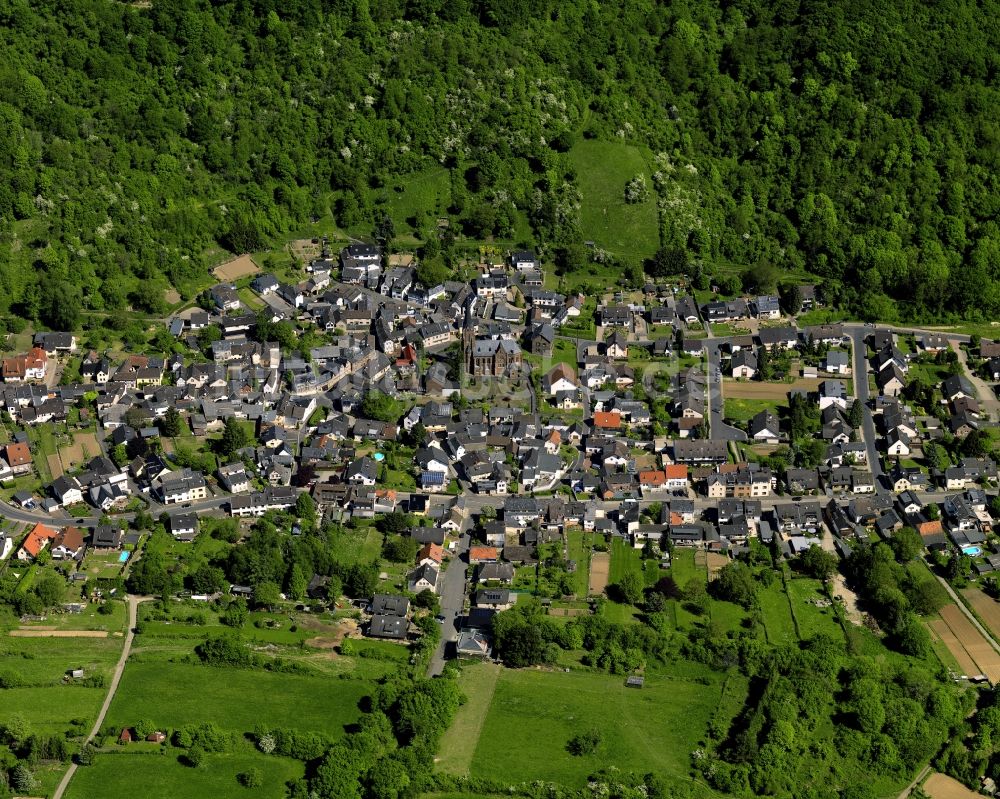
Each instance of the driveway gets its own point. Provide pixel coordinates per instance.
(987, 394)
(859, 349)
(716, 402)
(452, 596)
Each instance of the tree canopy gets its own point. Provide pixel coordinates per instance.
(857, 141)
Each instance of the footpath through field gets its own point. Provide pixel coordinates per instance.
(133, 607)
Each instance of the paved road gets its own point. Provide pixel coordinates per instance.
(716, 402)
(859, 348)
(38, 515)
(133, 606)
(987, 395)
(452, 595)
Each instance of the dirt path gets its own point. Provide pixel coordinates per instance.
(600, 568)
(35, 632)
(909, 788)
(133, 608)
(849, 598)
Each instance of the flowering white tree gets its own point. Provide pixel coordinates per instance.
(636, 190)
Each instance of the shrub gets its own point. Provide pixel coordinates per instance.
(195, 756)
(584, 743)
(251, 778)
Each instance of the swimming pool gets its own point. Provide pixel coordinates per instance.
(123, 557)
(973, 552)
(379, 456)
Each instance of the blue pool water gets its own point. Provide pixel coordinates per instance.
(123, 557)
(972, 551)
(379, 456)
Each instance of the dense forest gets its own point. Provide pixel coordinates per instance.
(853, 140)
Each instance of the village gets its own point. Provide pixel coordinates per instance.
(506, 420)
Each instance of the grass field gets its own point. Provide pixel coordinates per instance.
(652, 729)
(40, 664)
(161, 776)
(357, 546)
(417, 200)
(624, 558)
(812, 619)
(174, 694)
(683, 568)
(742, 410)
(580, 544)
(478, 681)
(603, 169)
(779, 625)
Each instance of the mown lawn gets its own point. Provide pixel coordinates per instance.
(175, 694)
(624, 558)
(478, 681)
(603, 169)
(580, 544)
(162, 776)
(650, 729)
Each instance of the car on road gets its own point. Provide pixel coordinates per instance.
(186, 505)
(439, 619)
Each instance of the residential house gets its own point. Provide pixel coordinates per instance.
(67, 544)
(496, 599)
(234, 478)
(832, 392)
(424, 578)
(37, 539)
(18, 457)
(765, 428)
(744, 364)
(181, 486)
(837, 362)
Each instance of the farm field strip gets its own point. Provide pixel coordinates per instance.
(986, 659)
(600, 568)
(767, 391)
(235, 269)
(965, 663)
(987, 608)
(941, 786)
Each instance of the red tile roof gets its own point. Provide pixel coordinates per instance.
(609, 420)
(37, 539)
(17, 454)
